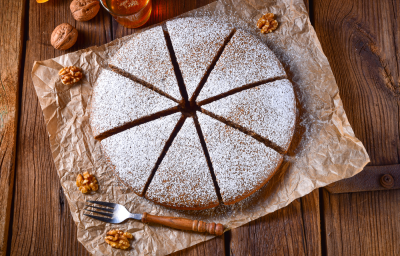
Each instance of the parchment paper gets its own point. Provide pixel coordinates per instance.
(324, 149)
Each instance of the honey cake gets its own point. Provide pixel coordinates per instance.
(241, 164)
(183, 179)
(248, 126)
(134, 152)
(196, 43)
(147, 58)
(118, 100)
(244, 61)
(268, 110)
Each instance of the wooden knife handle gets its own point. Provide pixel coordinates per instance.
(184, 224)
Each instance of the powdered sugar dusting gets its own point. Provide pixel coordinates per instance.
(134, 152)
(245, 60)
(196, 42)
(268, 110)
(146, 57)
(118, 100)
(241, 163)
(183, 179)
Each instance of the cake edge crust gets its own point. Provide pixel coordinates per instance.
(246, 195)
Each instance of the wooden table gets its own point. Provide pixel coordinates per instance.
(361, 40)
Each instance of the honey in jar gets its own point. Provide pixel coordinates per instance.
(130, 13)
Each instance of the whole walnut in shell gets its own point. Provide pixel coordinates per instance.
(84, 10)
(64, 36)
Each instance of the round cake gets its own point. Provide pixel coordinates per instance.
(193, 114)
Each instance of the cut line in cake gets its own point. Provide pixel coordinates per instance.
(244, 61)
(244, 130)
(268, 111)
(210, 68)
(237, 90)
(127, 150)
(197, 45)
(119, 103)
(207, 155)
(142, 82)
(241, 164)
(137, 122)
(183, 180)
(197, 155)
(146, 57)
(177, 70)
(174, 133)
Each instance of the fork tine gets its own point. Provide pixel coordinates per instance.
(112, 205)
(102, 213)
(103, 209)
(101, 218)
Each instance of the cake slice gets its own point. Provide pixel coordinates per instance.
(118, 101)
(146, 57)
(241, 164)
(183, 179)
(244, 61)
(196, 43)
(268, 110)
(134, 152)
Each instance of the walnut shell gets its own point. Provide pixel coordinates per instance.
(84, 10)
(64, 36)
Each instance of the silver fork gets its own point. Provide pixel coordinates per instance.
(118, 213)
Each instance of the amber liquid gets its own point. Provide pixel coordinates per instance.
(135, 12)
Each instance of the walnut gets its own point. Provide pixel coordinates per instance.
(84, 10)
(64, 36)
(86, 183)
(266, 23)
(118, 239)
(70, 75)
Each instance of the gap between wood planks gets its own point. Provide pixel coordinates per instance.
(14, 18)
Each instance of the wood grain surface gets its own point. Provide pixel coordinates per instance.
(11, 44)
(293, 230)
(41, 220)
(361, 39)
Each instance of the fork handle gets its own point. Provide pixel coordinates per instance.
(184, 224)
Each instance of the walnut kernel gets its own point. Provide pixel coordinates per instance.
(86, 183)
(118, 239)
(261, 22)
(70, 75)
(267, 23)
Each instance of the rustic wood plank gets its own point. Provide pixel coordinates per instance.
(212, 247)
(365, 223)
(360, 39)
(293, 230)
(368, 80)
(312, 222)
(307, 3)
(371, 178)
(42, 223)
(11, 41)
